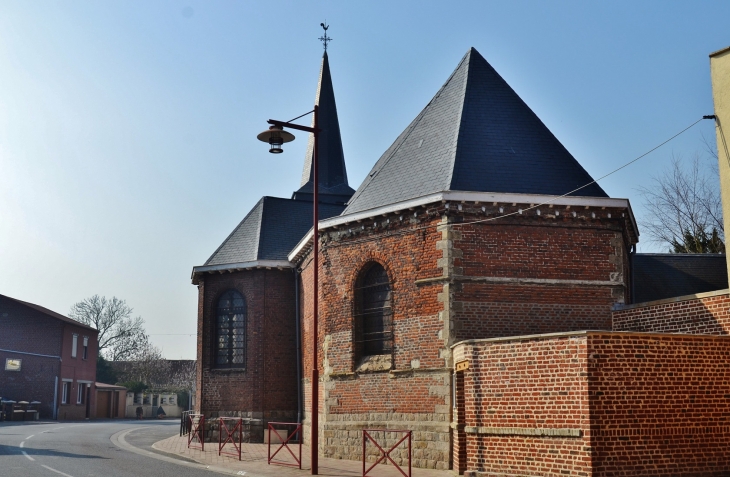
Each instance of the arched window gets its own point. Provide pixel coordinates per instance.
(373, 312)
(230, 331)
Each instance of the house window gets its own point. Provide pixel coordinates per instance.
(373, 312)
(65, 392)
(81, 395)
(163, 400)
(230, 344)
(74, 344)
(85, 353)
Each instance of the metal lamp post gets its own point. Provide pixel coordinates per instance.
(276, 137)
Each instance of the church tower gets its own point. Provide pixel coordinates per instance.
(247, 291)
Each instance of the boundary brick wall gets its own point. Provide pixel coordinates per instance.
(595, 403)
(704, 313)
(266, 387)
(525, 407)
(660, 404)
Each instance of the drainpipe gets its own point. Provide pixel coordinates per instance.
(55, 398)
(631, 273)
(299, 350)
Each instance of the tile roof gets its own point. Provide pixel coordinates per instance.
(332, 171)
(48, 312)
(476, 134)
(659, 276)
(270, 230)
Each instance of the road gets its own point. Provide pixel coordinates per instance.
(85, 449)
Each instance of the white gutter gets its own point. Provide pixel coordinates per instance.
(463, 196)
(243, 265)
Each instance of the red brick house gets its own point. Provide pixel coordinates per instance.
(458, 285)
(47, 357)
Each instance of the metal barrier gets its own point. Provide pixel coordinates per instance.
(285, 442)
(197, 430)
(383, 454)
(185, 423)
(223, 423)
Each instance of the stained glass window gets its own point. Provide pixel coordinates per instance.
(231, 331)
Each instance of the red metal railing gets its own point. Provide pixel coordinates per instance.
(223, 423)
(285, 442)
(383, 454)
(197, 430)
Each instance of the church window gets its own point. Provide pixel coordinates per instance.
(373, 312)
(230, 344)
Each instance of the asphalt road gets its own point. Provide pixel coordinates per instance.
(84, 449)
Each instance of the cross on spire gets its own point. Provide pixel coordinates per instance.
(325, 39)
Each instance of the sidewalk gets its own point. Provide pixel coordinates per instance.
(254, 461)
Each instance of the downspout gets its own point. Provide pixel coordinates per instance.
(631, 273)
(55, 398)
(299, 346)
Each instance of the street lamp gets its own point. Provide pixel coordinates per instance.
(276, 136)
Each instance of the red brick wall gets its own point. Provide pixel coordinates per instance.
(518, 386)
(521, 275)
(78, 369)
(706, 313)
(266, 387)
(645, 405)
(659, 404)
(566, 271)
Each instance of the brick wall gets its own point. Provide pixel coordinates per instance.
(704, 313)
(78, 370)
(596, 403)
(525, 407)
(266, 387)
(659, 404)
(521, 275)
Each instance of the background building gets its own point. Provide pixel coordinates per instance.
(47, 357)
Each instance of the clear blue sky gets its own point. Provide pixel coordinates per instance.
(127, 129)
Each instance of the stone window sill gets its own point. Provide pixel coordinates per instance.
(375, 363)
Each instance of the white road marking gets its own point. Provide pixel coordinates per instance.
(56, 471)
(29, 437)
(29, 457)
(22, 443)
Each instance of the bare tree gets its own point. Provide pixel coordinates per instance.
(184, 376)
(685, 208)
(121, 335)
(148, 366)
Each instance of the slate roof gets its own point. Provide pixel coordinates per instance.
(47, 312)
(476, 134)
(333, 185)
(270, 230)
(659, 276)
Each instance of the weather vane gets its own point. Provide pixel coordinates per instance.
(325, 39)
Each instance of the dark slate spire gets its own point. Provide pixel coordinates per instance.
(333, 186)
(476, 134)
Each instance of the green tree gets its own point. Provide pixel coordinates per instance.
(105, 373)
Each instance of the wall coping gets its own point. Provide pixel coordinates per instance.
(675, 299)
(563, 334)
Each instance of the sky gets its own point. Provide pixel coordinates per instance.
(128, 146)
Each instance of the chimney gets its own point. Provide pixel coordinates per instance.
(720, 73)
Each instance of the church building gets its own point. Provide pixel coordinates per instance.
(476, 234)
